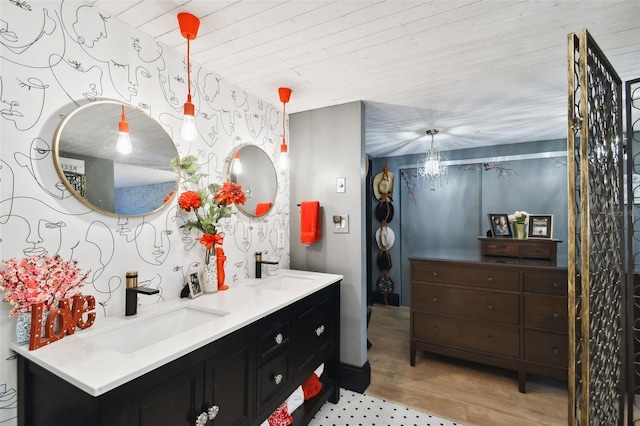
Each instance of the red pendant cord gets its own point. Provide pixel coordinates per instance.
(284, 114)
(188, 71)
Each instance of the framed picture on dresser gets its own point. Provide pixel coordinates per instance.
(541, 226)
(499, 223)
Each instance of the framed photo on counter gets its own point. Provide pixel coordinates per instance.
(540, 226)
(499, 223)
(194, 285)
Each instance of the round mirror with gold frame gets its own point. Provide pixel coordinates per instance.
(88, 162)
(252, 168)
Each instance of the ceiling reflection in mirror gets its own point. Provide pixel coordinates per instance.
(91, 167)
(252, 168)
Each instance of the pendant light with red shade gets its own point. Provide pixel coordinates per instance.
(124, 139)
(285, 95)
(189, 25)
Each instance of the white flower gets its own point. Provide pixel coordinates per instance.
(519, 217)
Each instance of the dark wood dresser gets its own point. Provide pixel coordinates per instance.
(509, 315)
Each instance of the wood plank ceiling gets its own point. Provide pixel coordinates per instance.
(483, 72)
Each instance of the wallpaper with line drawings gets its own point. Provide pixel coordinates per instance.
(59, 55)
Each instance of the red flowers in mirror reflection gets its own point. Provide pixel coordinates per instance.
(37, 279)
(209, 203)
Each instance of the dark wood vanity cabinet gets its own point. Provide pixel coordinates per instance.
(246, 375)
(508, 315)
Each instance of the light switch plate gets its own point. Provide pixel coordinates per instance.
(341, 224)
(341, 184)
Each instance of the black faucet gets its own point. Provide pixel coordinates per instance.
(260, 262)
(131, 298)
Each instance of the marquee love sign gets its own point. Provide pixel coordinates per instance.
(61, 321)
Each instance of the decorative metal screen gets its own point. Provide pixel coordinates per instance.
(595, 235)
(632, 194)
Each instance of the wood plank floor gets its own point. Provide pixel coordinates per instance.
(461, 391)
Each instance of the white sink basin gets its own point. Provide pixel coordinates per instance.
(282, 282)
(139, 334)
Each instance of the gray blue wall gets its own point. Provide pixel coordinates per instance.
(455, 215)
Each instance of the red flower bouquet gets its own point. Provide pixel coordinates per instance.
(209, 204)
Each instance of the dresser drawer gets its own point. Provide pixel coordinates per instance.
(273, 338)
(489, 338)
(471, 304)
(537, 251)
(273, 376)
(546, 282)
(437, 272)
(548, 312)
(545, 348)
(501, 249)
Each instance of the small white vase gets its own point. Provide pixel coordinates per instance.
(23, 326)
(210, 276)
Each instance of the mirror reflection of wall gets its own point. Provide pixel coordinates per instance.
(90, 165)
(258, 179)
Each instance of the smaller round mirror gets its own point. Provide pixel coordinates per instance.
(252, 168)
(99, 172)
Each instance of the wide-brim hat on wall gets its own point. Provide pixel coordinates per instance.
(383, 184)
(385, 237)
(384, 211)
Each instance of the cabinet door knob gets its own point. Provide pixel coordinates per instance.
(555, 285)
(435, 274)
(555, 315)
(435, 329)
(556, 351)
(491, 339)
(212, 412)
(490, 307)
(277, 378)
(435, 299)
(319, 330)
(490, 279)
(202, 419)
(279, 338)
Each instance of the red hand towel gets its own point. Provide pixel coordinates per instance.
(312, 386)
(281, 416)
(310, 222)
(262, 208)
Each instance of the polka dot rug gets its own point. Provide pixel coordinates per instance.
(355, 409)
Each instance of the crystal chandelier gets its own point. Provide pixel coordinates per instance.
(432, 167)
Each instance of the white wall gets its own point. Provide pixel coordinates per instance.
(56, 56)
(325, 144)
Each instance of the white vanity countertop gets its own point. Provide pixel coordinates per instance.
(97, 369)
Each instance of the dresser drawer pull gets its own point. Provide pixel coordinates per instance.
(320, 330)
(435, 274)
(490, 307)
(435, 300)
(490, 279)
(202, 419)
(212, 412)
(279, 338)
(277, 379)
(556, 315)
(491, 339)
(556, 351)
(555, 285)
(435, 329)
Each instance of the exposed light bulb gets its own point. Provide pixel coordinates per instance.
(283, 158)
(189, 131)
(124, 143)
(237, 164)
(124, 140)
